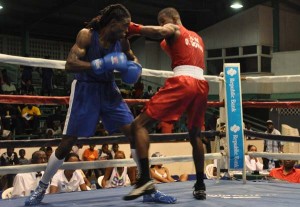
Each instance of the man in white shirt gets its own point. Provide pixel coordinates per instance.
(24, 183)
(272, 146)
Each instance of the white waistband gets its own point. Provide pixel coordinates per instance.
(189, 70)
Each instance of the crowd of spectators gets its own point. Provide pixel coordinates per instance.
(111, 177)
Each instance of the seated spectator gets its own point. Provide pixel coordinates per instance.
(90, 154)
(9, 158)
(27, 88)
(116, 176)
(8, 87)
(76, 148)
(10, 116)
(26, 72)
(161, 174)
(31, 116)
(114, 149)
(22, 159)
(48, 152)
(55, 123)
(104, 154)
(286, 172)
(138, 89)
(252, 163)
(68, 180)
(149, 93)
(24, 183)
(47, 79)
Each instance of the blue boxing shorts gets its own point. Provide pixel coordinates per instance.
(91, 102)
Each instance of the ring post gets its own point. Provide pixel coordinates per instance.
(234, 111)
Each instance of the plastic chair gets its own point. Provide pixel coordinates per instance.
(7, 194)
(100, 180)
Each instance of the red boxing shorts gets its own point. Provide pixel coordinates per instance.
(180, 94)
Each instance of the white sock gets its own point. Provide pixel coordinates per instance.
(53, 165)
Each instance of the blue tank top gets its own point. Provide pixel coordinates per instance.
(95, 51)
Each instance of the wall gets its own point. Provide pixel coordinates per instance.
(286, 63)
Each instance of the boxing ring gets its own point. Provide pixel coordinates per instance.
(219, 192)
(222, 194)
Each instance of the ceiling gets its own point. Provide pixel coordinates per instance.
(62, 19)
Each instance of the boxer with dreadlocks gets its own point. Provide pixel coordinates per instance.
(100, 48)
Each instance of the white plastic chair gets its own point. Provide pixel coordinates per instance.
(100, 180)
(7, 194)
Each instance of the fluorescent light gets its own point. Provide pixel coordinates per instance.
(1, 7)
(236, 5)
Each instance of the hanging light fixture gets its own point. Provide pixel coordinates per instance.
(236, 4)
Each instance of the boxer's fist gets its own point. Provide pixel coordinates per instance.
(132, 74)
(111, 61)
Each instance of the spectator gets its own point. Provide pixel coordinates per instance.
(252, 163)
(116, 176)
(76, 148)
(104, 154)
(114, 149)
(249, 127)
(286, 172)
(31, 116)
(24, 183)
(149, 93)
(161, 174)
(27, 88)
(55, 123)
(68, 180)
(47, 79)
(90, 154)
(272, 146)
(9, 158)
(22, 159)
(138, 89)
(26, 73)
(48, 152)
(10, 117)
(8, 87)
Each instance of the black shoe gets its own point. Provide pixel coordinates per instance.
(199, 192)
(140, 189)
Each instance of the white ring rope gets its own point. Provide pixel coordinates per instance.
(59, 64)
(280, 156)
(102, 163)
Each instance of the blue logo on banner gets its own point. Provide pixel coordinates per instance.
(234, 116)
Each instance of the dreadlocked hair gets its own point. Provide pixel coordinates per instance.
(114, 11)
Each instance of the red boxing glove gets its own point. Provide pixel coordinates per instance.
(134, 29)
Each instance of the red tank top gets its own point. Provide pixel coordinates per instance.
(188, 49)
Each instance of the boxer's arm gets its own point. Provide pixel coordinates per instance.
(158, 32)
(127, 50)
(73, 63)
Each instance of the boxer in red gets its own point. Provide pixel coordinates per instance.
(186, 92)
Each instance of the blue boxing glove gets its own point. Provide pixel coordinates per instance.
(132, 74)
(111, 61)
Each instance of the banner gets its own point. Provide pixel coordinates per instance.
(234, 114)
